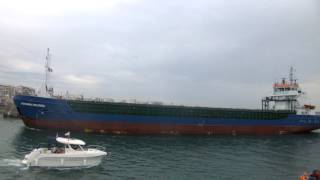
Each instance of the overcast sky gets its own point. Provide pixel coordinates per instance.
(207, 52)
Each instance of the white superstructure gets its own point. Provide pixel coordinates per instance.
(287, 95)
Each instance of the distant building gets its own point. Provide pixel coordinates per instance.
(6, 91)
(23, 90)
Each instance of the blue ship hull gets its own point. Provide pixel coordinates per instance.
(48, 113)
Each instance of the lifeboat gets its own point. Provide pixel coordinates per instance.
(309, 106)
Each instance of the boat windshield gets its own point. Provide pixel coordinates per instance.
(55, 147)
(76, 147)
(58, 150)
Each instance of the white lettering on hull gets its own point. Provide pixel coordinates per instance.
(32, 104)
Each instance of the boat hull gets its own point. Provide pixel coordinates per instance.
(66, 162)
(46, 113)
(39, 159)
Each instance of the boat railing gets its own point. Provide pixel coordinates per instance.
(101, 148)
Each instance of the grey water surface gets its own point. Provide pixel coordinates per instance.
(167, 157)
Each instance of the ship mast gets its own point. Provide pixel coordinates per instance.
(291, 75)
(48, 70)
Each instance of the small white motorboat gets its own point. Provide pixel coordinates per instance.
(71, 154)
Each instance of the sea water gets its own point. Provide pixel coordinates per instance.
(167, 157)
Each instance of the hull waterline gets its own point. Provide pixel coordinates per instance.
(125, 128)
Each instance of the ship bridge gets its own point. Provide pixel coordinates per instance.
(285, 95)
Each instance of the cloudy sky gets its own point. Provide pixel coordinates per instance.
(207, 52)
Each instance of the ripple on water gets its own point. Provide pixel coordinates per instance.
(168, 157)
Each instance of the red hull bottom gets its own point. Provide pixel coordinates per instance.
(126, 128)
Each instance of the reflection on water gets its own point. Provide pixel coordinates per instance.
(169, 157)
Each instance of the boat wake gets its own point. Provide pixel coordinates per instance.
(33, 129)
(17, 163)
(11, 162)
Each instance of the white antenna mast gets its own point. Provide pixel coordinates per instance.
(48, 70)
(291, 75)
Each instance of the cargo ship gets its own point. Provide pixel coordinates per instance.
(281, 113)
